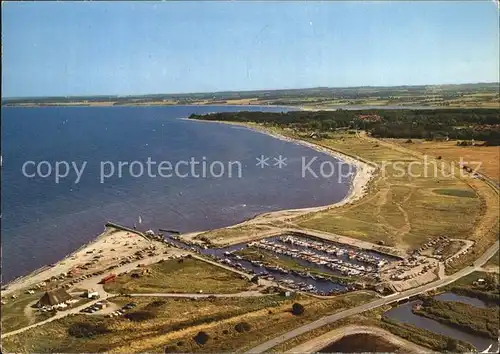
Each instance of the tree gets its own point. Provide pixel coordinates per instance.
(491, 280)
(139, 316)
(86, 330)
(242, 327)
(201, 338)
(297, 309)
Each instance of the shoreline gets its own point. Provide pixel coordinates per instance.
(88, 105)
(357, 189)
(365, 170)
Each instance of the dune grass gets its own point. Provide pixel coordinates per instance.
(173, 323)
(402, 208)
(189, 275)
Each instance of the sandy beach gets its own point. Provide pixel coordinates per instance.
(365, 171)
(108, 249)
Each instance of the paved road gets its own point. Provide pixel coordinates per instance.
(377, 303)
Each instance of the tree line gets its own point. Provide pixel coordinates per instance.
(459, 124)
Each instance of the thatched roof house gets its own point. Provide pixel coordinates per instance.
(53, 297)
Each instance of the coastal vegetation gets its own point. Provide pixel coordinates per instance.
(494, 261)
(176, 322)
(18, 313)
(189, 275)
(430, 124)
(481, 285)
(433, 197)
(425, 337)
(468, 318)
(401, 210)
(375, 318)
(243, 233)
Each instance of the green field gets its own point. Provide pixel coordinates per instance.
(494, 261)
(158, 323)
(456, 193)
(189, 275)
(17, 313)
(402, 210)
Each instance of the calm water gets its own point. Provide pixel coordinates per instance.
(42, 221)
(403, 313)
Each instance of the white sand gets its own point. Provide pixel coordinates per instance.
(365, 171)
(112, 245)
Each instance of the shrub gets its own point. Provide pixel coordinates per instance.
(170, 349)
(87, 330)
(452, 345)
(242, 327)
(201, 338)
(225, 331)
(139, 316)
(180, 343)
(297, 309)
(155, 304)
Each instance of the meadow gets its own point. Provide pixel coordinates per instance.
(401, 209)
(189, 275)
(162, 324)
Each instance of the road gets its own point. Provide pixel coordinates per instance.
(58, 315)
(266, 346)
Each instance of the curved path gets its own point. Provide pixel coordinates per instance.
(316, 344)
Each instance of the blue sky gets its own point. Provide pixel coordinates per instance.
(87, 48)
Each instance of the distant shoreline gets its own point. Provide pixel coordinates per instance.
(354, 107)
(365, 172)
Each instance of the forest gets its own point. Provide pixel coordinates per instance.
(431, 124)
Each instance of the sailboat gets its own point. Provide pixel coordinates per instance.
(140, 220)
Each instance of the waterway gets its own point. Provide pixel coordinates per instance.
(403, 313)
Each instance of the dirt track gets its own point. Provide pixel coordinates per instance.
(324, 340)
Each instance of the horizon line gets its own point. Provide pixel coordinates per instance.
(247, 91)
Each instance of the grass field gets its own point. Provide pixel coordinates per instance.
(494, 261)
(173, 323)
(467, 280)
(235, 234)
(488, 156)
(172, 276)
(407, 204)
(17, 313)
